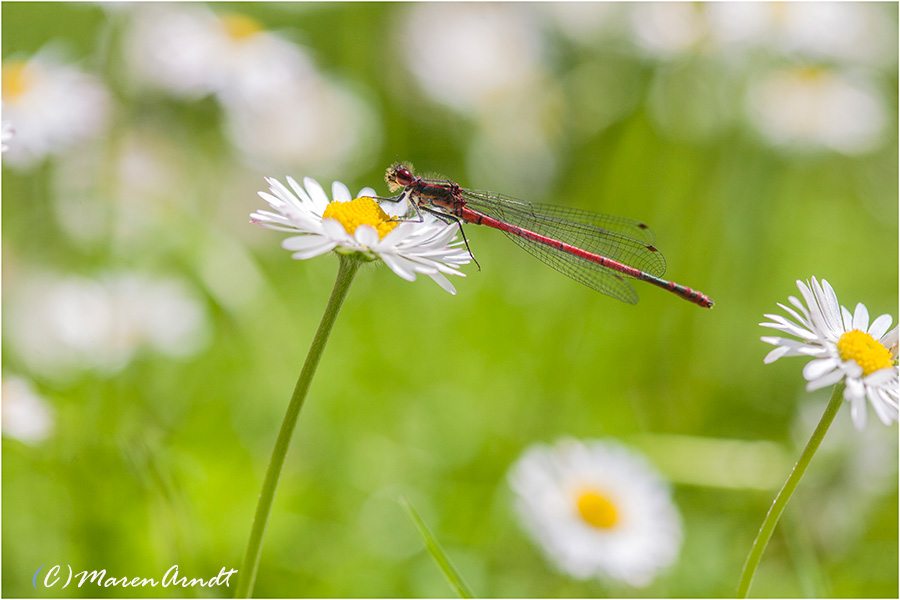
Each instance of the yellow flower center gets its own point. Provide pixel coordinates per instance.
(15, 80)
(868, 352)
(362, 211)
(240, 27)
(596, 510)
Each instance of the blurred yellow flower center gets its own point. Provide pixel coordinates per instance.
(15, 80)
(240, 27)
(362, 211)
(868, 353)
(596, 510)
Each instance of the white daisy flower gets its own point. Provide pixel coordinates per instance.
(845, 347)
(363, 226)
(191, 51)
(6, 135)
(668, 29)
(59, 326)
(597, 509)
(501, 56)
(52, 106)
(843, 32)
(316, 122)
(27, 417)
(802, 107)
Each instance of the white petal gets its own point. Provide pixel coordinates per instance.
(886, 413)
(298, 189)
(792, 313)
(326, 246)
(775, 354)
(890, 340)
(816, 368)
(302, 242)
(800, 307)
(880, 326)
(826, 380)
(857, 410)
(443, 282)
(861, 317)
(782, 324)
(881, 376)
(335, 230)
(847, 319)
(315, 191)
(366, 235)
(399, 266)
(852, 369)
(831, 309)
(340, 192)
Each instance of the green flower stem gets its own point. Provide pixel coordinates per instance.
(781, 500)
(247, 577)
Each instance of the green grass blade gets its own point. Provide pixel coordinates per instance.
(440, 557)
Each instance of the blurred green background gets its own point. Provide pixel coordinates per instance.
(153, 455)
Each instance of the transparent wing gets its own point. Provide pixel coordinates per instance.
(589, 231)
(606, 281)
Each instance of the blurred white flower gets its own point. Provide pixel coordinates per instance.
(313, 124)
(280, 113)
(810, 108)
(191, 51)
(6, 135)
(667, 29)
(123, 198)
(60, 325)
(360, 225)
(51, 105)
(468, 55)
(844, 346)
(26, 416)
(597, 510)
(585, 22)
(845, 32)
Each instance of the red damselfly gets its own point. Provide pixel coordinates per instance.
(598, 250)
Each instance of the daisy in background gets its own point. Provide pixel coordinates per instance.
(844, 347)
(279, 110)
(810, 108)
(61, 325)
(361, 226)
(191, 51)
(26, 416)
(597, 509)
(8, 132)
(52, 106)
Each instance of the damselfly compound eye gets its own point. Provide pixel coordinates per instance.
(404, 175)
(398, 176)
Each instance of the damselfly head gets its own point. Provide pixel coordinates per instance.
(398, 177)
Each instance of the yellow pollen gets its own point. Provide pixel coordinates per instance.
(596, 510)
(15, 80)
(810, 74)
(362, 211)
(868, 352)
(240, 27)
